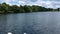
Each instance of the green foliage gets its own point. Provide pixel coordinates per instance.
(58, 9)
(27, 9)
(6, 8)
(21, 9)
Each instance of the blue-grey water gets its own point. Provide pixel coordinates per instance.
(31, 23)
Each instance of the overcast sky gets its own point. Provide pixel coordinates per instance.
(44, 3)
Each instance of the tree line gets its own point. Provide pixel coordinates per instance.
(6, 8)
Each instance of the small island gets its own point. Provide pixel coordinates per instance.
(7, 9)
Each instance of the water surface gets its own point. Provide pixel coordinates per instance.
(31, 23)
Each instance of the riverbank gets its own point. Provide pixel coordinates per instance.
(6, 9)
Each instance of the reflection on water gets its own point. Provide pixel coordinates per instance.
(3, 24)
(24, 33)
(9, 33)
(31, 23)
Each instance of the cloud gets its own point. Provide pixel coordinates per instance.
(44, 3)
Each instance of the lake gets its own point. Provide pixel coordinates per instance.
(30, 23)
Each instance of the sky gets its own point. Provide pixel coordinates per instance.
(44, 3)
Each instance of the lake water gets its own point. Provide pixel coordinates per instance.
(30, 23)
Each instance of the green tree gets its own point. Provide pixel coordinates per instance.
(4, 7)
(27, 9)
(21, 9)
(15, 9)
